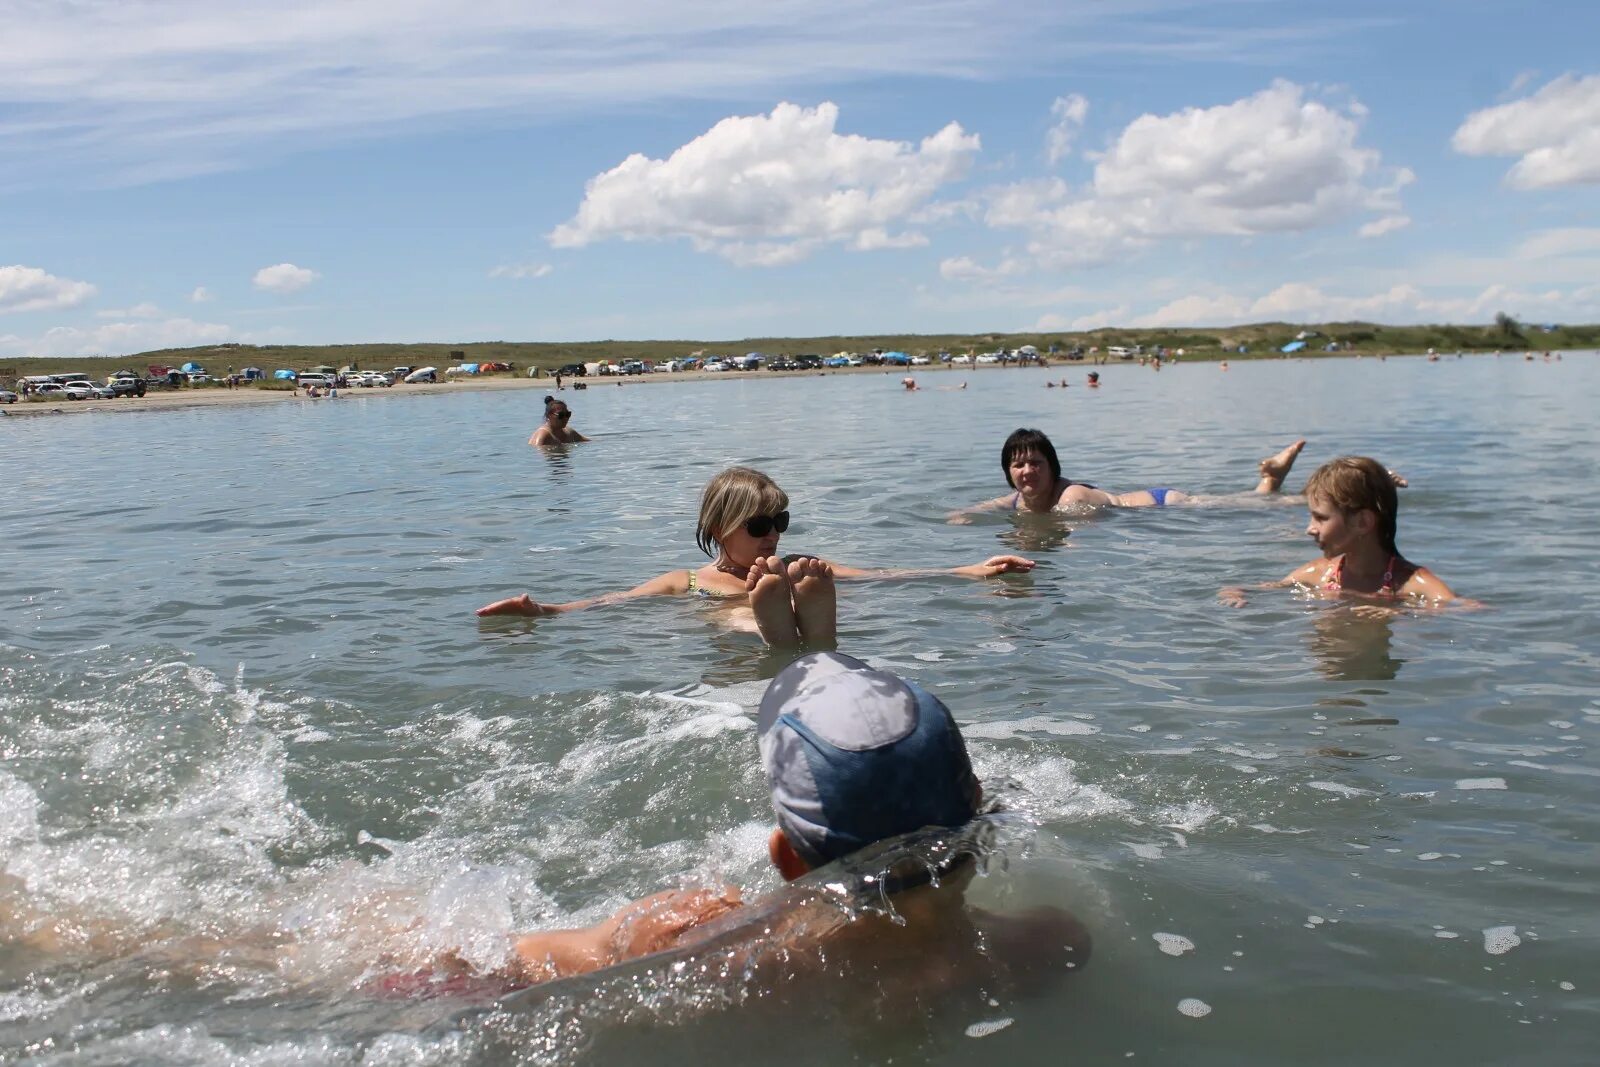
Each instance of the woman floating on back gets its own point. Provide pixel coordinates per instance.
(742, 515)
(1353, 506)
(1033, 470)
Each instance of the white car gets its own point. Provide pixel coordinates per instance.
(82, 390)
(988, 357)
(715, 365)
(920, 361)
(963, 358)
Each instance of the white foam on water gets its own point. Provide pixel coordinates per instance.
(988, 1026)
(1498, 940)
(455, 559)
(1140, 728)
(1480, 783)
(1560, 724)
(1315, 920)
(1341, 790)
(1144, 851)
(1426, 856)
(1173, 944)
(1567, 986)
(1042, 724)
(1555, 769)
(1268, 828)
(1448, 935)
(1194, 1008)
(928, 657)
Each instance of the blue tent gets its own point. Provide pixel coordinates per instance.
(899, 359)
(1293, 346)
(250, 374)
(192, 368)
(284, 375)
(469, 368)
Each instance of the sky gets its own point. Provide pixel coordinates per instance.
(182, 173)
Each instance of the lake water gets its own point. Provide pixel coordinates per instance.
(254, 747)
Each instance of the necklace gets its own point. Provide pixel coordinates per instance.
(729, 567)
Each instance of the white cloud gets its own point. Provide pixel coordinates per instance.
(138, 311)
(1556, 131)
(284, 278)
(1399, 304)
(769, 189)
(201, 295)
(1570, 241)
(118, 338)
(31, 289)
(1387, 224)
(113, 90)
(1272, 162)
(521, 270)
(1069, 113)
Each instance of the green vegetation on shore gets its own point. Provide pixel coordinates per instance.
(1263, 341)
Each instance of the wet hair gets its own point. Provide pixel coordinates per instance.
(731, 498)
(1359, 483)
(550, 402)
(1023, 441)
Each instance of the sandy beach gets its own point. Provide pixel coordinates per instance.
(249, 395)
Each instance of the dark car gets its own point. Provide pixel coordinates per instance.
(783, 364)
(810, 361)
(129, 386)
(571, 370)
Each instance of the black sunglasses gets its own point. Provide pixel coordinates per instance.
(562, 414)
(761, 525)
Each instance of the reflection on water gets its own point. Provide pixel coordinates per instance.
(1354, 645)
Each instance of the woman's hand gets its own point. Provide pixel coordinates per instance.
(518, 605)
(659, 921)
(997, 565)
(1232, 596)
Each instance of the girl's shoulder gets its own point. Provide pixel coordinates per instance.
(1421, 582)
(1313, 572)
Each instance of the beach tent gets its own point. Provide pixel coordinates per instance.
(1029, 350)
(250, 374)
(284, 375)
(469, 368)
(1293, 346)
(192, 368)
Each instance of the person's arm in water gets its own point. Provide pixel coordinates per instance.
(542, 436)
(1236, 596)
(669, 584)
(577, 437)
(963, 517)
(987, 569)
(650, 925)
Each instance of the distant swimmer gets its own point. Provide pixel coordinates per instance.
(910, 384)
(1033, 470)
(1094, 379)
(1354, 516)
(556, 429)
(743, 513)
(853, 757)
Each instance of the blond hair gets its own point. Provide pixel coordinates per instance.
(731, 498)
(1359, 483)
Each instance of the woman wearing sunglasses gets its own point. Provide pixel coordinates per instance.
(742, 515)
(556, 430)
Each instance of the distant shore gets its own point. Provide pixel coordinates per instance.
(250, 396)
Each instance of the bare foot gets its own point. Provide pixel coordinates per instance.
(1274, 469)
(769, 599)
(815, 605)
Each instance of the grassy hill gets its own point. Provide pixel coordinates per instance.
(1262, 339)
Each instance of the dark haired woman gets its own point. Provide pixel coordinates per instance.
(556, 429)
(1034, 473)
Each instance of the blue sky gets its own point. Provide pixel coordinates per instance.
(412, 170)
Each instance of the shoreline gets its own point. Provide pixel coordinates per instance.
(250, 396)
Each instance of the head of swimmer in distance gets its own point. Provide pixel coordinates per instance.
(556, 412)
(742, 515)
(854, 756)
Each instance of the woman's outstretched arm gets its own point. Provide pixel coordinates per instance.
(669, 584)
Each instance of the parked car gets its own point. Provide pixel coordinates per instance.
(963, 358)
(198, 378)
(715, 365)
(126, 386)
(51, 390)
(632, 366)
(836, 361)
(809, 360)
(8, 397)
(920, 361)
(310, 378)
(422, 374)
(83, 389)
(988, 357)
(783, 364)
(571, 370)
